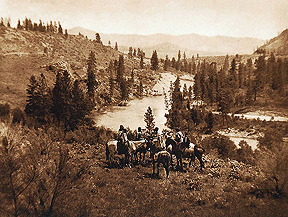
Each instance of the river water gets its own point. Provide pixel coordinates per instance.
(132, 115)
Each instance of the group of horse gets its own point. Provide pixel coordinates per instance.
(123, 152)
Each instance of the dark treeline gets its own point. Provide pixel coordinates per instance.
(234, 86)
(29, 25)
(242, 83)
(70, 101)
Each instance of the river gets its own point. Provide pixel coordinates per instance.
(132, 115)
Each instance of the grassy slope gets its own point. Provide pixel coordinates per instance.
(219, 190)
(22, 55)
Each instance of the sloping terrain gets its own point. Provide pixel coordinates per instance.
(25, 53)
(277, 45)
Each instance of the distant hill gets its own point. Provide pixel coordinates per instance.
(278, 45)
(170, 44)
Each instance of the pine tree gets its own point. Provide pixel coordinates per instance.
(19, 25)
(130, 53)
(98, 39)
(149, 120)
(141, 63)
(79, 108)
(226, 65)
(174, 118)
(116, 46)
(166, 63)
(66, 33)
(60, 30)
(154, 61)
(91, 79)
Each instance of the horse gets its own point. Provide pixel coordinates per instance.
(155, 145)
(163, 157)
(177, 149)
(194, 151)
(122, 146)
(112, 155)
(141, 148)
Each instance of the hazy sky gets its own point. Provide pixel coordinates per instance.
(254, 18)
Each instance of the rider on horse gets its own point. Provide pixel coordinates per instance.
(179, 136)
(140, 135)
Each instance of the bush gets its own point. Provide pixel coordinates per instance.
(41, 175)
(225, 147)
(18, 116)
(4, 111)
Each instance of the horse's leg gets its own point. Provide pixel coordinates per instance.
(153, 166)
(181, 163)
(199, 157)
(166, 166)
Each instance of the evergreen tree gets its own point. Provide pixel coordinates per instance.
(66, 33)
(2, 22)
(39, 100)
(60, 30)
(166, 63)
(140, 88)
(226, 65)
(19, 25)
(134, 53)
(259, 74)
(91, 79)
(98, 39)
(149, 120)
(61, 97)
(116, 46)
(174, 117)
(120, 78)
(173, 63)
(141, 63)
(225, 102)
(79, 108)
(154, 61)
(130, 53)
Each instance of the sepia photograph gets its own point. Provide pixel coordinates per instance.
(143, 108)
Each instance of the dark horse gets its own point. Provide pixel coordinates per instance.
(177, 149)
(161, 157)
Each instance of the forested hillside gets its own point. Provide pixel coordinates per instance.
(26, 51)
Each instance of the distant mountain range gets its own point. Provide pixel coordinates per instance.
(192, 44)
(277, 45)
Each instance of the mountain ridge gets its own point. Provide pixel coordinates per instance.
(192, 44)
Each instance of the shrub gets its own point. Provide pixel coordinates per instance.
(225, 147)
(40, 175)
(4, 111)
